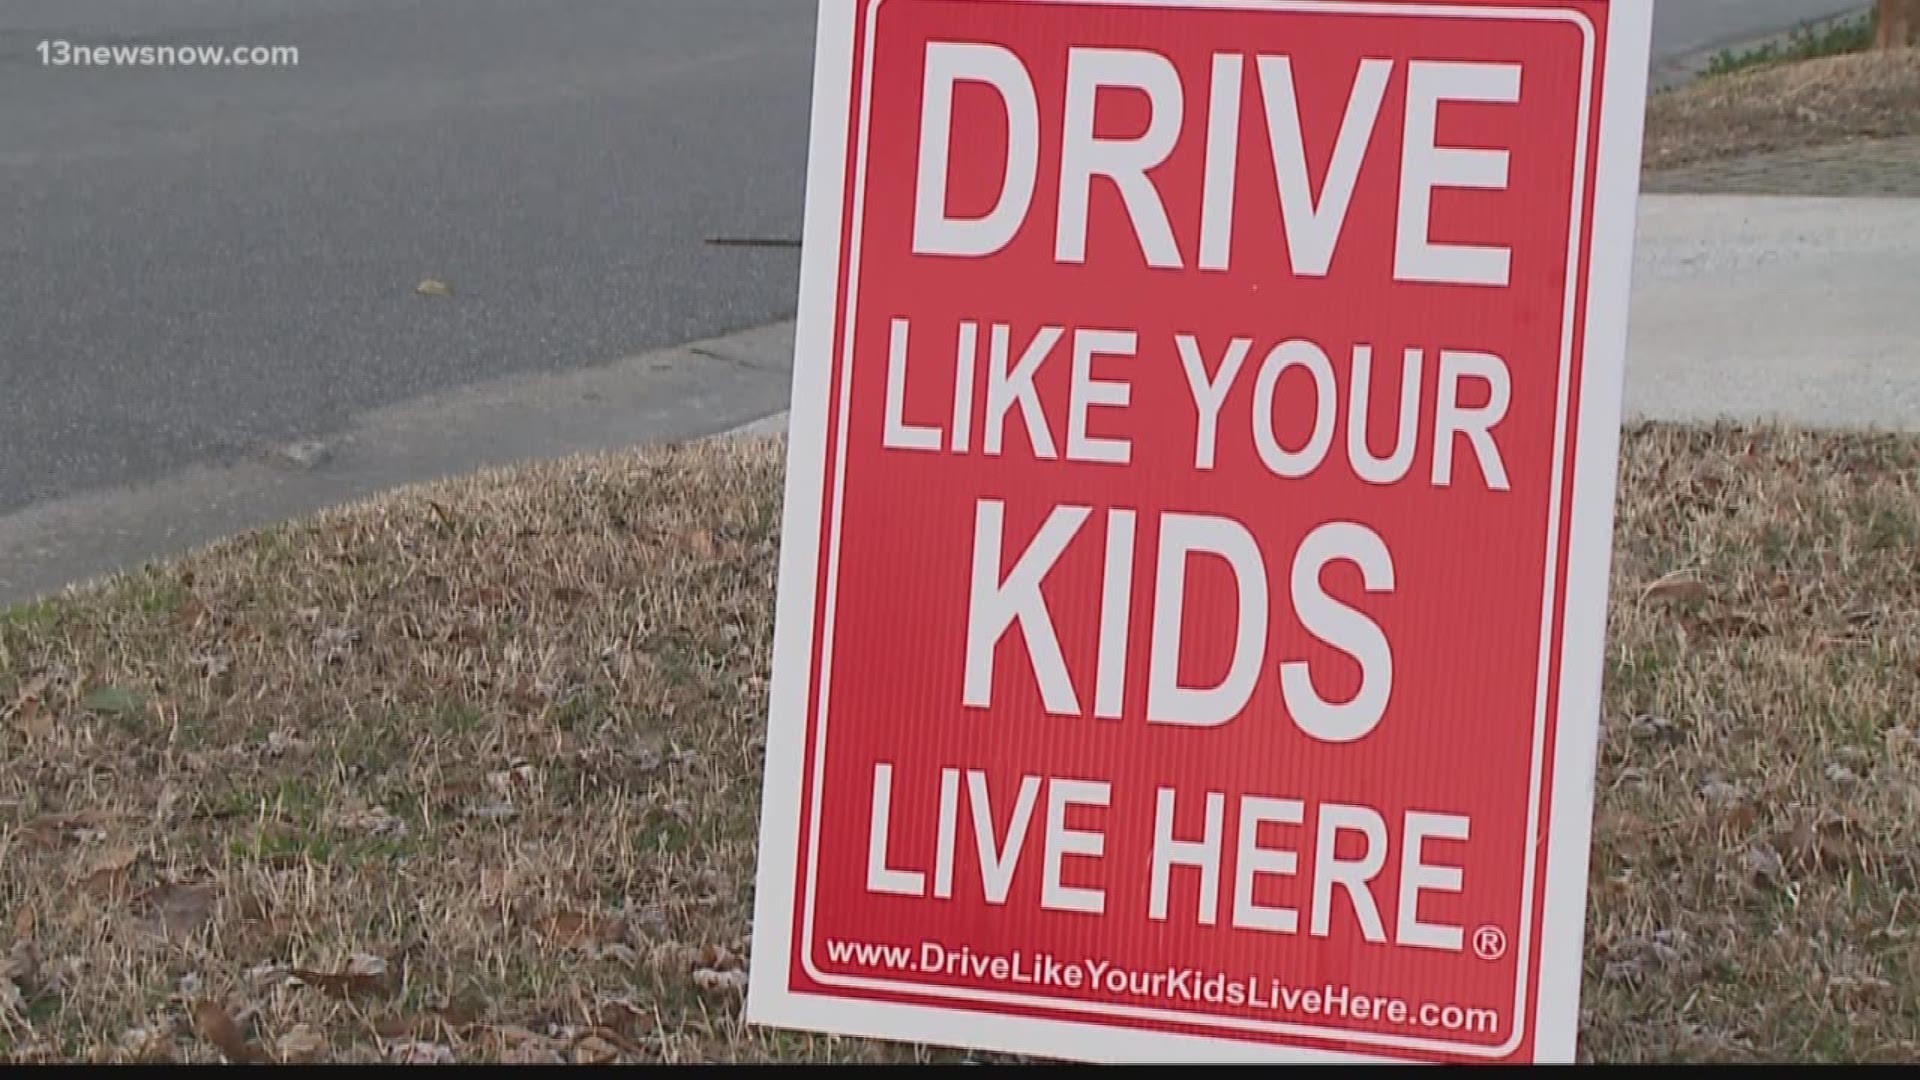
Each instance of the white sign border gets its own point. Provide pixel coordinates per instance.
(772, 1002)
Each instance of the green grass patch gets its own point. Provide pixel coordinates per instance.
(1806, 43)
(36, 617)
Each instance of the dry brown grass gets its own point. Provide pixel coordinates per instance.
(1806, 103)
(472, 772)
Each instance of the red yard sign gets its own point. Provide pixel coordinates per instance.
(1197, 525)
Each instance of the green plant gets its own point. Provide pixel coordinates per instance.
(1805, 43)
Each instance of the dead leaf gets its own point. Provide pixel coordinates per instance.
(213, 666)
(413, 1052)
(214, 1024)
(617, 952)
(1629, 970)
(367, 964)
(1735, 624)
(1635, 956)
(115, 858)
(1823, 847)
(23, 921)
(461, 1012)
(433, 287)
(718, 957)
(498, 883)
(300, 1044)
(525, 696)
(338, 984)
(341, 985)
(50, 830)
(106, 874)
(251, 909)
(407, 1027)
(265, 976)
(566, 927)
(1741, 817)
(617, 1037)
(518, 774)
(192, 610)
(364, 975)
(30, 712)
(571, 929)
(493, 811)
(650, 919)
(177, 910)
(281, 743)
(31, 690)
(594, 1050)
(21, 964)
(515, 1035)
(33, 718)
(1803, 842)
(1677, 588)
(720, 982)
(1720, 795)
(530, 1053)
(1765, 864)
(515, 1045)
(146, 1044)
(467, 633)
(622, 1017)
(373, 821)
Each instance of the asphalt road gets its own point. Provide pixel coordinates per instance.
(201, 262)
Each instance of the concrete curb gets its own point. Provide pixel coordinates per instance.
(761, 428)
(666, 395)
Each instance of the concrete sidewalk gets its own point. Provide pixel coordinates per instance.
(1758, 307)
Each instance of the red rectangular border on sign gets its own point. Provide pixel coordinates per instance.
(840, 293)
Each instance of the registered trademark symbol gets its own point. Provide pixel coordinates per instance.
(1489, 943)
